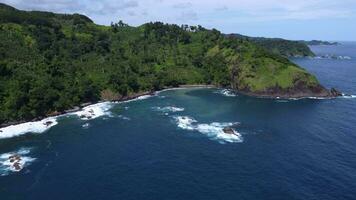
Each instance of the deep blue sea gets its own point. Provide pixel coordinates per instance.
(171, 146)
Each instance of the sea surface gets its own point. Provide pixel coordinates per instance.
(171, 146)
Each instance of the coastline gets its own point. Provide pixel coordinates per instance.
(82, 106)
(84, 110)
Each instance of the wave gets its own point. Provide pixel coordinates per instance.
(143, 97)
(213, 130)
(227, 93)
(343, 96)
(124, 117)
(28, 127)
(15, 161)
(331, 57)
(86, 125)
(168, 109)
(94, 111)
(283, 101)
(86, 113)
(346, 96)
(320, 98)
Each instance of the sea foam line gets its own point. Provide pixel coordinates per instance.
(28, 127)
(213, 130)
(94, 111)
(86, 113)
(168, 109)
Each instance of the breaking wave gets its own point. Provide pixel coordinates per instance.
(87, 113)
(331, 57)
(346, 96)
(227, 93)
(15, 161)
(213, 130)
(94, 111)
(86, 125)
(168, 109)
(123, 117)
(28, 127)
(143, 97)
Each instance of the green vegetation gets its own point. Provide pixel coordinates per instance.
(286, 48)
(52, 62)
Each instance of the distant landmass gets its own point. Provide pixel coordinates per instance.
(52, 62)
(319, 42)
(286, 48)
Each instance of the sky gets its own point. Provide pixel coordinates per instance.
(333, 20)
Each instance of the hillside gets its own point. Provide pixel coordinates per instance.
(319, 42)
(52, 62)
(286, 48)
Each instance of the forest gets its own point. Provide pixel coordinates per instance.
(51, 62)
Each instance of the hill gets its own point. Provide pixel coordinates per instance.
(286, 48)
(51, 62)
(319, 42)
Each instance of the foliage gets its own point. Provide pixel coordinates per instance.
(286, 48)
(52, 62)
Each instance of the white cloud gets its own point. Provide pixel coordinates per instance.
(209, 13)
(182, 5)
(187, 16)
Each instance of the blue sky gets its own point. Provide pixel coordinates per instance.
(290, 19)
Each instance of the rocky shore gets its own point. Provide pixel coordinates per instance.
(297, 92)
(76, 109)
(318, 91)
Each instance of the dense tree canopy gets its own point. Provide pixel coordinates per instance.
(286, 48)
(51, 62)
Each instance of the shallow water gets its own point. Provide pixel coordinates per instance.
(171, 146)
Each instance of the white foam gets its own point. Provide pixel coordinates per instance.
(86, 125)
(282, 101)
(213, 130)
(29, 127)
(168, 109)
(143, 97)
(94, 111)
(124, 117)
(319, 98)
(6, 166)
(345, 96)
(331, 56)
(227, 93)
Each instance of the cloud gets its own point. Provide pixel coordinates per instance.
(109, 6)
(209, 13)
(222, 8)
(46, 5)
(182, 5)
(250, 10)
(187, 16)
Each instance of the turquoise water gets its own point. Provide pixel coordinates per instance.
(171, 146)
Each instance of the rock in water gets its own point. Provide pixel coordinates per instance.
(15, 161)
(229, 131)
(48, 123)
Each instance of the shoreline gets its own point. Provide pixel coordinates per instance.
(81, 107)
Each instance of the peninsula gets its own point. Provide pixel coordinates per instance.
(54, 62)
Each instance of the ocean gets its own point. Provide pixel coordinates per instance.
(172, 145)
